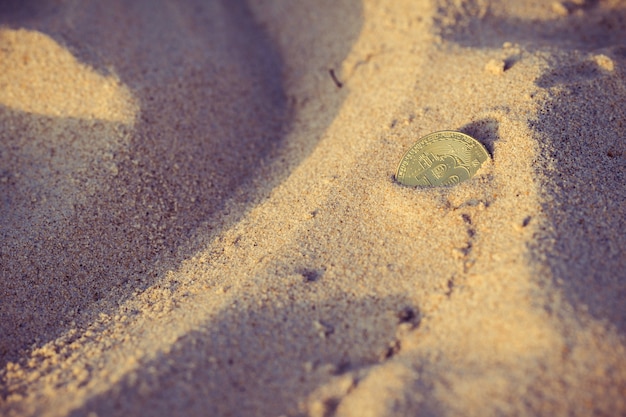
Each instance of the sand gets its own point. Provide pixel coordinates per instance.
(199, 215)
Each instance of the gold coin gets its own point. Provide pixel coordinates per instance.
(441, 159)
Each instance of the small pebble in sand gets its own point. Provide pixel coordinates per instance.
(560, 8)
(604, 62)
(323, 329)
(495, 66)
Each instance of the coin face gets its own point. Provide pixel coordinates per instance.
(441, 159)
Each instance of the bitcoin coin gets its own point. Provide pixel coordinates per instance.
(441, 159)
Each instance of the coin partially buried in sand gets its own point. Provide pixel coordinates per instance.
(441, 159)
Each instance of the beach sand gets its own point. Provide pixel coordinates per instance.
(199, 213)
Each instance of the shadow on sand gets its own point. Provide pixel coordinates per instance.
(213, 109)
(581, 166)
(209, 372)
(586, 199)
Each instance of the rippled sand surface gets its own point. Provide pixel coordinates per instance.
(199, 216)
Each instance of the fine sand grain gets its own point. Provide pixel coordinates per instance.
(199, 215)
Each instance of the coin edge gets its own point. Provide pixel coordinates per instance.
(431, 134)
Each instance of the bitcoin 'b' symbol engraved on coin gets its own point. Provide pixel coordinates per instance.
(441, 159)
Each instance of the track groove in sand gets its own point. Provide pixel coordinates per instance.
(97, 206)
